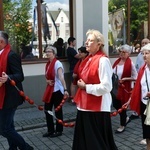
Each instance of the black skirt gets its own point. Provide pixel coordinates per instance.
(146, 128)
(93, 131)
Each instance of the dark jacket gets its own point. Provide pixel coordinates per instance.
(15, 72)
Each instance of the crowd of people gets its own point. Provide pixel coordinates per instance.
(90, 89)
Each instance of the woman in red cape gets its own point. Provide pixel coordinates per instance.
(83, 53)
(93, 128)
(54, 92)
(141, 93)
(126, 71)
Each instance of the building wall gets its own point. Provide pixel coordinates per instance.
(90, 15)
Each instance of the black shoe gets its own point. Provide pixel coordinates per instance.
(48, 134)
(128, 120)
(55, 134)
(132, 117)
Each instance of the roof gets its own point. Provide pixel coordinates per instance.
(56, 13)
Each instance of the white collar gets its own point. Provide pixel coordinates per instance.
(1, 51)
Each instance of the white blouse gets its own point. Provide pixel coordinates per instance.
(144, 88)
(58, 85)
(119, 71)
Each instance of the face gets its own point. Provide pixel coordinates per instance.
(92, 45)
(1, 43)
(144, 42)
(74, 43)
(82, 55)
(146, 56)
(123, 54)
(49, 53)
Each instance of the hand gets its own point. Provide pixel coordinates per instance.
(122, 80)
(147, 97)
(50, 82)
(81, 84)
(66, 93)
(4, 77)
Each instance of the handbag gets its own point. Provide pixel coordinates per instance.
(115, 85)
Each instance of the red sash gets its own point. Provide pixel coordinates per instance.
(89, 74)
(50, 75)
(136, 93)
(122, 95)
(76, 71)
(3, 66)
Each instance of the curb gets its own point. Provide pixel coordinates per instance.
(35, 126)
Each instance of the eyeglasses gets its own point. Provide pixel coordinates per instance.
(48, 51)
(122, 52)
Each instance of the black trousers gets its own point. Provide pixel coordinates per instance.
(54, 102)
(146, 128)
(123, 115)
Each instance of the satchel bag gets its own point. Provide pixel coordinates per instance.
(115, 85)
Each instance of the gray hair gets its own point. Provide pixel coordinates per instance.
(52, 48)
(5, 36)
(126, 48)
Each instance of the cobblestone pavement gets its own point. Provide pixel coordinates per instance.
(30, 123)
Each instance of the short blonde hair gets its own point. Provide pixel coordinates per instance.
(52, 48)
(99, 37)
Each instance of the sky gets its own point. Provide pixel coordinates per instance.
(54, 4)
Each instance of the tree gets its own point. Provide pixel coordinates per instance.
(139, 14)
(16, 22)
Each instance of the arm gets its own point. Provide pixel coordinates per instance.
(77, 56)
(14, 67)
(105, 76)
(61, 78)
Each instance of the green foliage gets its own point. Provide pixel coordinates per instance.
(17, 13)
(139, 13)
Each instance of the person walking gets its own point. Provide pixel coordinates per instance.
(125, 69)
(83, 54)
(54, 92)
(93, 128)
(140, 97)
(139, 63)
(10, 67)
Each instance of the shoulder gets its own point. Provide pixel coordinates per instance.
(104, 62)
(58, 63)
(13, 55)
(104, 59)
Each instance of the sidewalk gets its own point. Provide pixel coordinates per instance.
(30, 123)
(31, 117)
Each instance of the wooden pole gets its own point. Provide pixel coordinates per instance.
(1, 16)
(39, 27)
(148, 19)
(128, 21)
